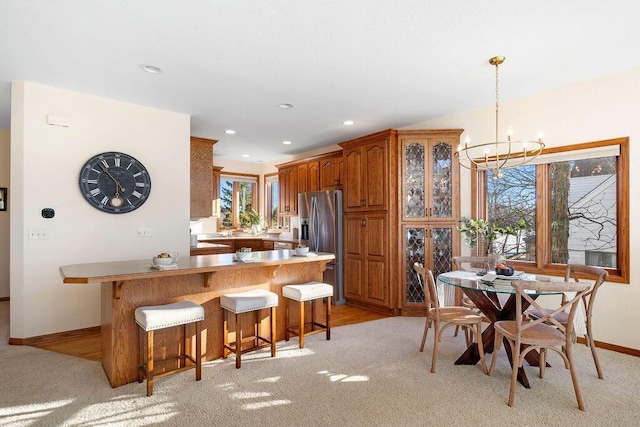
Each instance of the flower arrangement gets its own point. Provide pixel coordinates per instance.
(475, 231)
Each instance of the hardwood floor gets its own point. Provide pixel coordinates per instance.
(88, 346)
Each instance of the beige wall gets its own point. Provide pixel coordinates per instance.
(5, 158)
(599, 109)
(45, 166)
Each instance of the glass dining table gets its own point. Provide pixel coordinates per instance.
(486, 296)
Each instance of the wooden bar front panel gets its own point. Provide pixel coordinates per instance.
(120, 299)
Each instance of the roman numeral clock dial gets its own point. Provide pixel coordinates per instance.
(115, 182)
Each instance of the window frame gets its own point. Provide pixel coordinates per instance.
(268, 180)
(255, 201)
(542, 265)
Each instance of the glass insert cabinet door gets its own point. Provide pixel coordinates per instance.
(433, 247)
(430, 179)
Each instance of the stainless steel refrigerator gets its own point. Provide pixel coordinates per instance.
(321, 229)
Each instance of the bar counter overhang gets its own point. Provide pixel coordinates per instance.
(126, 285)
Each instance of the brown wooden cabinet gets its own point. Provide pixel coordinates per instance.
(401, 196)
(308, 176)
(367, 169)
(430, 207)
(303, 176)
(332, 172)
(366, 263)
(370, 199)
(201, 177)
(430, 175)
(288, 191)
(267, 245)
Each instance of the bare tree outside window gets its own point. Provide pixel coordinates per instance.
(510, 199)
(591, 211)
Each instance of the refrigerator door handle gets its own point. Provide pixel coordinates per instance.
(315, 225)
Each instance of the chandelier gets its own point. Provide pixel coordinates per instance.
(498, 155)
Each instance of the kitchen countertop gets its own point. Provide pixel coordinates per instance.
(274, 238)
(138, 269)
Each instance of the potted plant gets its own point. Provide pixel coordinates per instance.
(249, 219)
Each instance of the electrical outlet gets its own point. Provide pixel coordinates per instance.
(144, 232)
(38, 234)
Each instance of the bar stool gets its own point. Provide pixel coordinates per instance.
(244, 302)
(310, 291)
(151, 318)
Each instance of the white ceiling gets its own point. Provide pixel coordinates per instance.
(382, 63)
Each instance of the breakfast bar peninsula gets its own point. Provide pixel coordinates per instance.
(126, 285)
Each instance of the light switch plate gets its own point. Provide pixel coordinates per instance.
(144, 232)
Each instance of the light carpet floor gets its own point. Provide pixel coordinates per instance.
(368, 374)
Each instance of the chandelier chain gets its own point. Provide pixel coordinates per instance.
(497, 101)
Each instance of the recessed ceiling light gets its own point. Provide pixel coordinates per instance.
(230, 131)
(246, 155)
(285, 106)
(151, 69)
(348, 122)
(287, 142)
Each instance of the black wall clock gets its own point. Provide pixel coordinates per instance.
(115, 182)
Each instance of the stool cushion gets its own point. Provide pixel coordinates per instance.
(163, 316)
(248, 301)
(308, 291)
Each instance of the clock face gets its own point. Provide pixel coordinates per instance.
(115, 182)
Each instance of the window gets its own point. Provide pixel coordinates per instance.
(574, 201)
(271, 200)
(238, 200)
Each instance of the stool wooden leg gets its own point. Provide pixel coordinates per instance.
(272, 332)
(328, 316)
(286, 319)
(301, 324)
(181, 361)
(141, 354)
(313, 314)
(238, 343)
(225, 334)
(198, 351)
(149, 363)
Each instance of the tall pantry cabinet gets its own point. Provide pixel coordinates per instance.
(429, 207)
(402, 204)
(370, 206)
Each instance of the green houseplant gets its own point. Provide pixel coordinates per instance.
(481, 234)
(249, 218)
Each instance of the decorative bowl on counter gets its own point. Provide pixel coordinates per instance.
(302, 250)
(165, 258)
(244, 253)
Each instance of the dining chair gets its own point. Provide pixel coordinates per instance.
(598, 276)
(445, 317)
(525, 334)
(474, 264)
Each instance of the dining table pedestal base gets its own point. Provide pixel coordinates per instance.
(489, 304)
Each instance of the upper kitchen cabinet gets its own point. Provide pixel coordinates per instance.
(288, 191)
(368, 173)
(302, 176)
(429, 175)
(332, 172)
(201, 177)
(309, 176)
